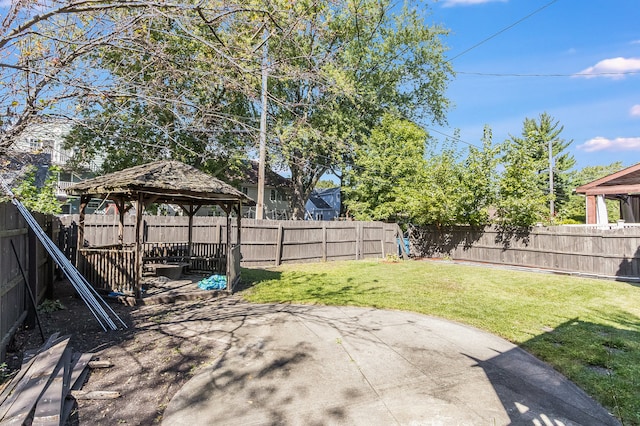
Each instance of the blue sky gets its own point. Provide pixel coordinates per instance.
(536, 63)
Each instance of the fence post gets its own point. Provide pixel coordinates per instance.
(382, 235)
(324, 242)
(279, 244)
(358, 241)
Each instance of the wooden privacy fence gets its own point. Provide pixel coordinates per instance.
(38, 267)
(264, 242)
(612, 251)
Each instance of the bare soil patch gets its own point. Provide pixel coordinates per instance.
(152, 359)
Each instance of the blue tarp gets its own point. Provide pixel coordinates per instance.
(404, 241)
(214, 282)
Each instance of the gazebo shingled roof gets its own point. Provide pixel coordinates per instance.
(170, 181)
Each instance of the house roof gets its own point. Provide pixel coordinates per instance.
(327, 191)
(319, 202)
(271, 178)
(625, 181)
(165, 181)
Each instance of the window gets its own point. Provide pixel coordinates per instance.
(33, 144)
(245, 190)
(273, 194)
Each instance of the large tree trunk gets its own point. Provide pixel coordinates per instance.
(299, 194)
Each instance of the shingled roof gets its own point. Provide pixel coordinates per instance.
(169, 180)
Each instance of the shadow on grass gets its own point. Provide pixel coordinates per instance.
(249, 277)
(601, 359)
(305, 287)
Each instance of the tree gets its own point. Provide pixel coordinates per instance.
(358, 61)
(186, 80)
(478, 175)
(454, 189)
(47, 49)
(394, 179)
(326, 184)
(39, 197)
(386, 165)
(524, 194)
(335, 67)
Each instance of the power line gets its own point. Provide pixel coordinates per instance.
(454, 138)
(540, 9)
(600, 74)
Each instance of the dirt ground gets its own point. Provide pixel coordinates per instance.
(152, 359)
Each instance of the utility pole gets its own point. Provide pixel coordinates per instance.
(551, 189)
(263, 129)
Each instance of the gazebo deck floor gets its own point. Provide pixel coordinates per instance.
(164, 290)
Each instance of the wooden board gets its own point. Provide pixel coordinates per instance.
(31, 387)
(49, 406)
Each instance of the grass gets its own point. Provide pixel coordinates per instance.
(587, 329)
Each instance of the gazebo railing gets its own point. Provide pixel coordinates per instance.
(165, 252)
(109, 269)
(205, 257)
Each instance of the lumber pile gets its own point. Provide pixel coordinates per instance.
(42, 392)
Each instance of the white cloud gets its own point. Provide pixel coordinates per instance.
(600, 143)
(612, 68)
(452, 3)
(635, 111)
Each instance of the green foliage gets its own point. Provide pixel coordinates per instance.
(48, 306)
(326, 184)
(521, 200)
(5, 373)
(393, 180)
(388, 163)
(39, 198)
(524, 194)
(334, 71)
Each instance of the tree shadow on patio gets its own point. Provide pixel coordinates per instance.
(610, 353)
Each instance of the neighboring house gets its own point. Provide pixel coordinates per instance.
(323, 204)
(277, 193)
(623, 186)
(47, 138)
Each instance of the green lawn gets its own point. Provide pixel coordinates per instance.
(587, 329)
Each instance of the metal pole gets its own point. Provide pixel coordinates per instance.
(31, 296)
(551, 189)
(263, 129)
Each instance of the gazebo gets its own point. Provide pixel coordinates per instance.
(120, 266)
(623, 186)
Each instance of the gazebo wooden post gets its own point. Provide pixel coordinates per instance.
(191, 211)
(139, 236)
(121, 211)
(239, 221)
(227, 209)
(84, 200)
